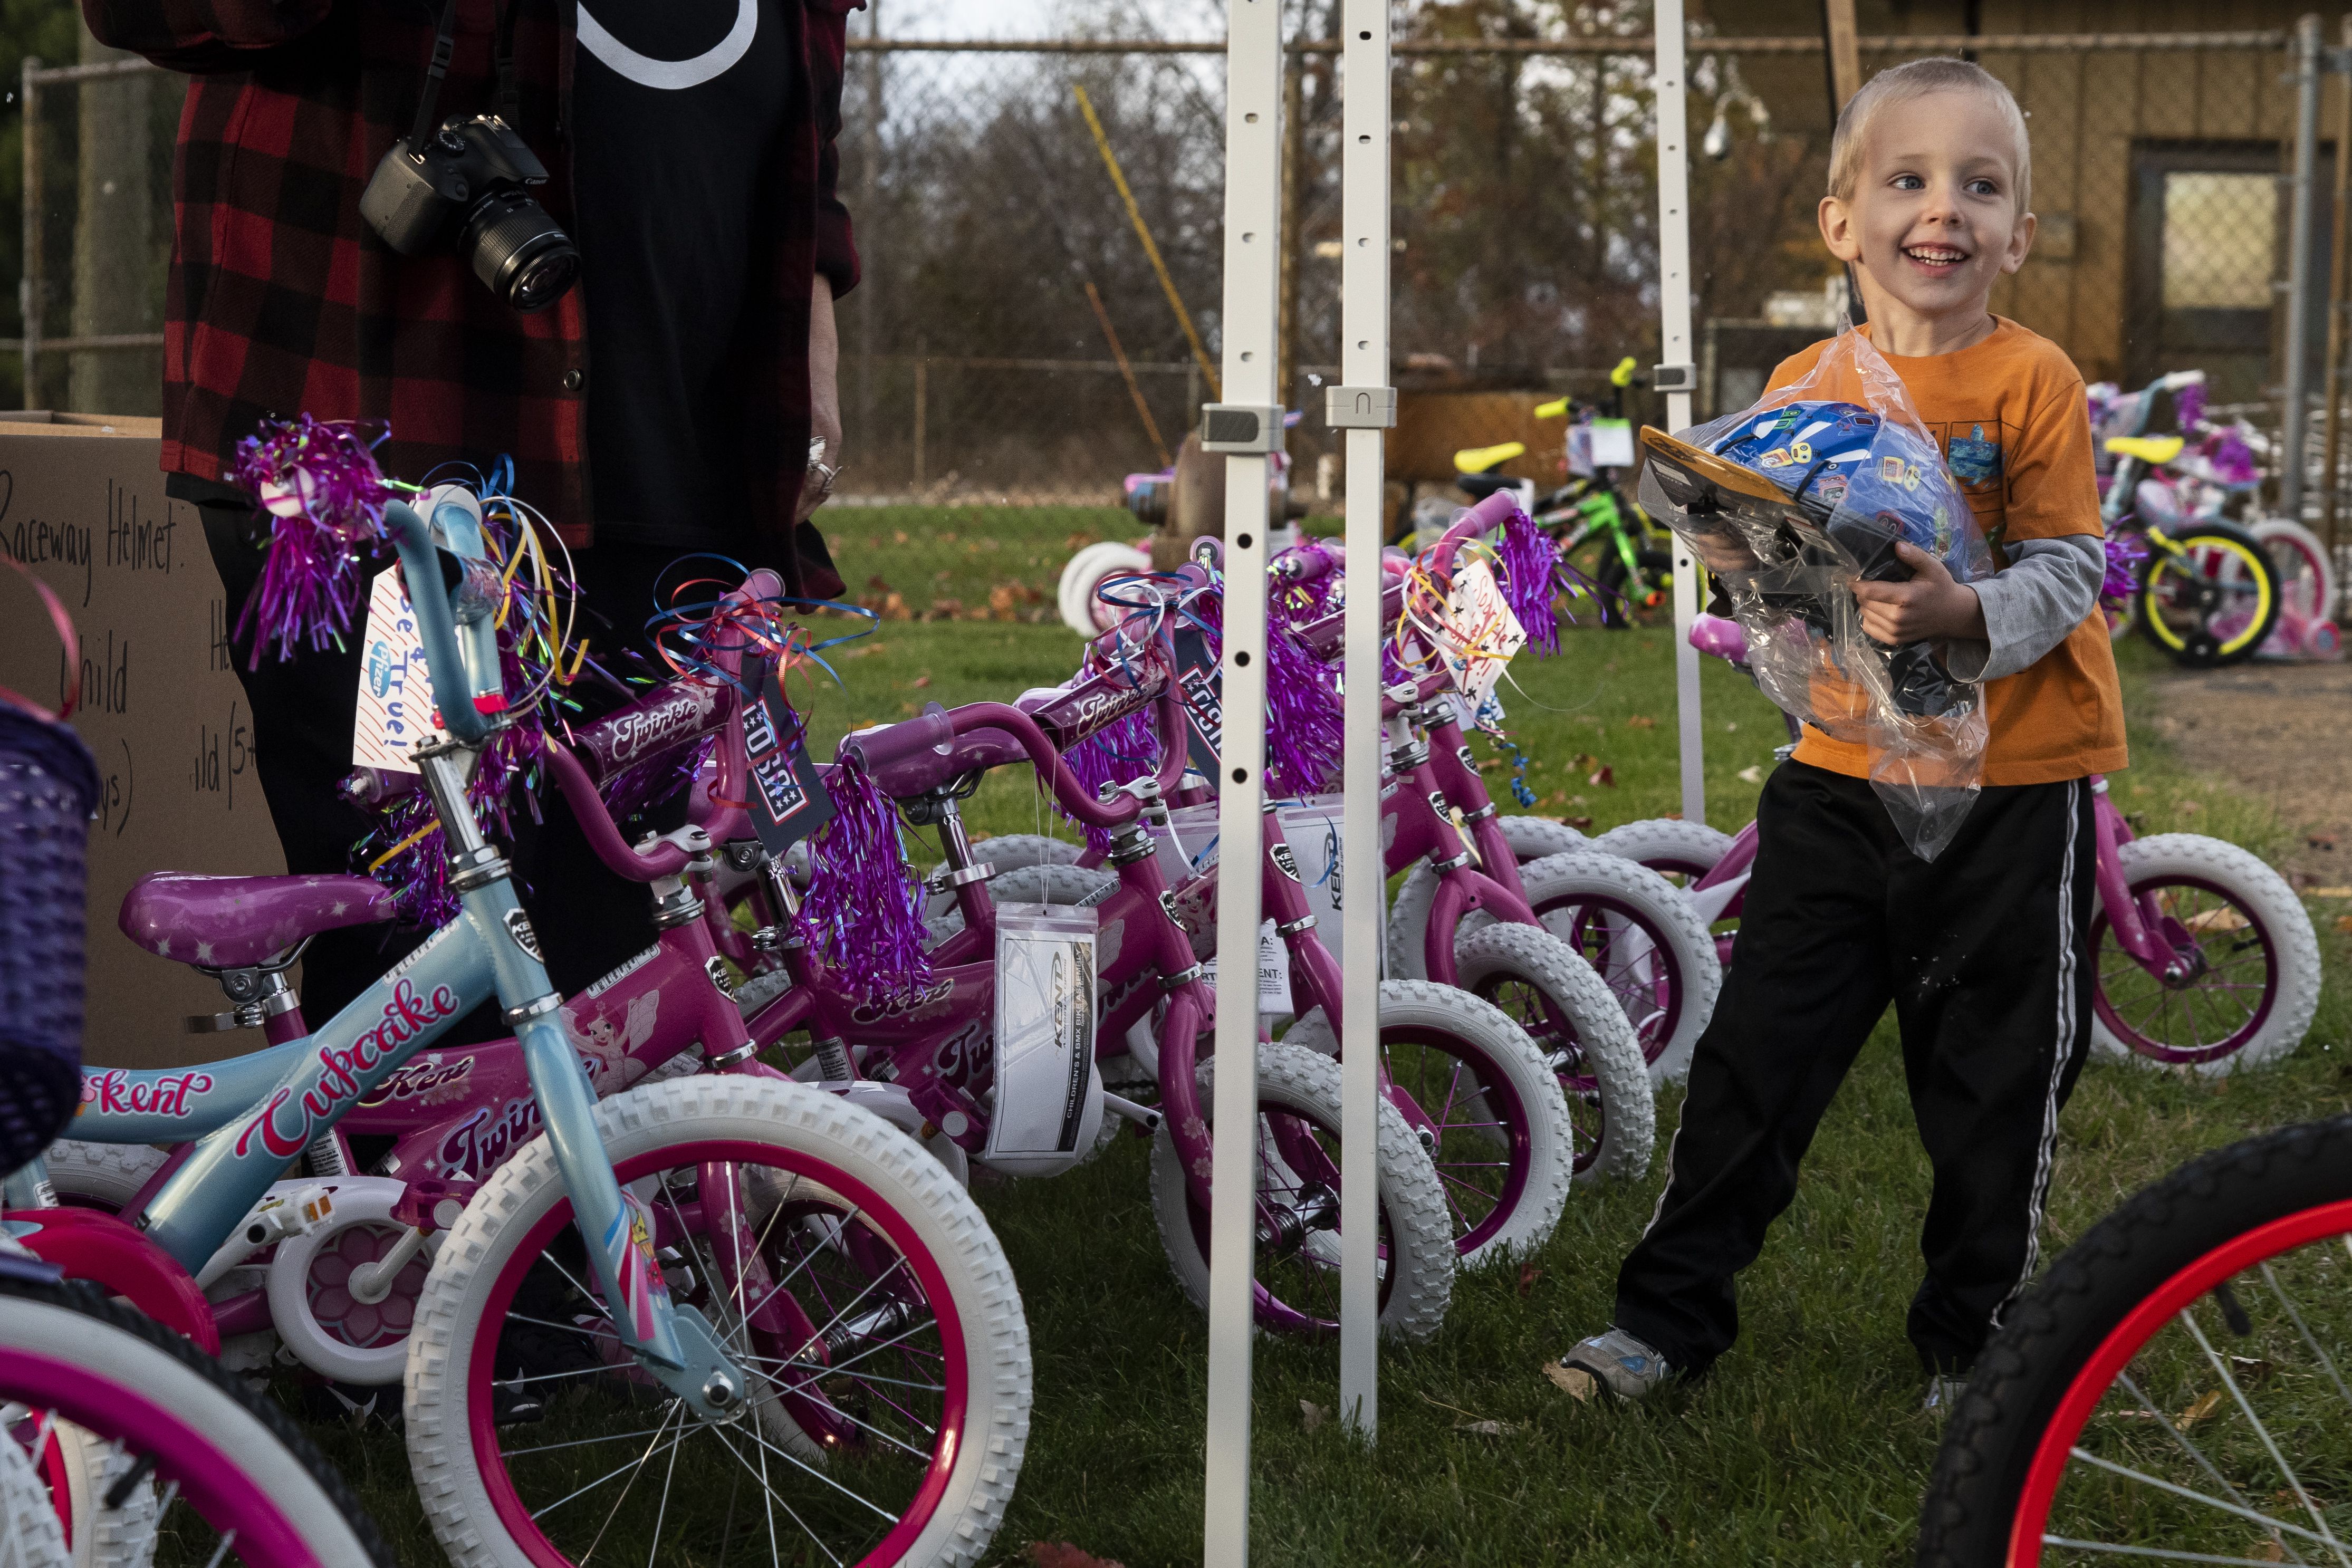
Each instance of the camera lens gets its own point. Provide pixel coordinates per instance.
(515, 247)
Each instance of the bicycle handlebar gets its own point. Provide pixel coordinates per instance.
(420, 562)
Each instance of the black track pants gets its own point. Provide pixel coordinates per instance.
(1983, 954)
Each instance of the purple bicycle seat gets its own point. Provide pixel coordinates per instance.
(233, 922)
(1721, 637)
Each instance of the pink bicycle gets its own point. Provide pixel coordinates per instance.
(2203, 958)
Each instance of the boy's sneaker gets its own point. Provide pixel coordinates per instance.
(1944, 1393)
(1619, 1363)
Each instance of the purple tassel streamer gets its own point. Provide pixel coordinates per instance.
(1124, 749)
(2232, 459)
(2125, 554)
(1528, 555)
(863, 909)
(2188, 408)
(319, 481)
(1306, 729)
(644, 785)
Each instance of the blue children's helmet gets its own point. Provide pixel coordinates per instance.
(1842, 458)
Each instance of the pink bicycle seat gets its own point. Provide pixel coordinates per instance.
(233, 922)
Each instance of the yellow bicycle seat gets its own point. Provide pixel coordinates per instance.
(2156, 451)
(1622, 376)
(1478, 459)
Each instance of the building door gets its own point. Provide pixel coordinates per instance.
(2208, 230)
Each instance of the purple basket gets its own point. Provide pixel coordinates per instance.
(48, 785)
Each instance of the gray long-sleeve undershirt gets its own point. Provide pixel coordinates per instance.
(2028, 608)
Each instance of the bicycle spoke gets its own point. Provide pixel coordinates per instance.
(2196, 1453)
(608, 1474)
(2163, 1554)
(2188, 1321)
(773, 1501)
(2265, 1520)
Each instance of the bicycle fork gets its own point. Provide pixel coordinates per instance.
(674, 1343)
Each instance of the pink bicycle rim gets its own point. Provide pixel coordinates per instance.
(886, 1218)
(225, 1497)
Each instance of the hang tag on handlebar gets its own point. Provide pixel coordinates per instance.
(1613, 443)
(1198, 678)
(396, 701)
(787, 798)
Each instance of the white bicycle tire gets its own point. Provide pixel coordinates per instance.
(31, 1535)
(1421, 1236)
(858, 1143)
(107, 1175)
(1513, 1058)
(1008, 853)
(1661, 843)
(1074, 594)
(1622, 1078)
(2276, 532)
(130, 1362)
(1682, 939)
(1530, 838)
(2261, 890)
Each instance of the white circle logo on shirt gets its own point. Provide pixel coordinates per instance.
(673, 76)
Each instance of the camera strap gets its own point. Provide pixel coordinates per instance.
(445, 45)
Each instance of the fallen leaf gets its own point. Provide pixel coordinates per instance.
(1062, 1555)
(2249, 1370)
(2329, 892)
(1732, 726)
(2316, 841)
(922, 681)
(1529, 1274)
(2197, 1412)
(1572, 1380)
(2274, 1553)
(2192, 806)
(1485, 1428)
(1752, 774)
(2222, 919)
(2343, 922)
(1603, 776)
(1582, 761)
(1640, 721)
(1584, 825)
(1312, 1416)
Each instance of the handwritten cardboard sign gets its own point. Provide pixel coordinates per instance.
(82, 503)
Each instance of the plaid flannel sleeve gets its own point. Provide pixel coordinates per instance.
(202, 36)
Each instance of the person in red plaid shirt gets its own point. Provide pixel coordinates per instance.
(664, 404)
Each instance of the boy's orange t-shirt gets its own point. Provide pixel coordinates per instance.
(2010, 416)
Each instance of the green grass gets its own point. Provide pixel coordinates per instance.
(1807, 1445)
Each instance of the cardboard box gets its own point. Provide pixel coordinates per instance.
(82, 503)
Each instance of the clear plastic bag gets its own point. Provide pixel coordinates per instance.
(1048, 1097)
(1791, 502)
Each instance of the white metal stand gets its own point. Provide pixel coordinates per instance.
(1245, 427)
(1362, 406)
(1677, 376)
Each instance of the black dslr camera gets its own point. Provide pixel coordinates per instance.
(467, 182)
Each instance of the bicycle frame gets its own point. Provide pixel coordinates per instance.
(248, 1116)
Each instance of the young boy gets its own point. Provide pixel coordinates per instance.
(1982, 952)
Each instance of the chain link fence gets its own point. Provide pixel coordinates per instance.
(1016, 339)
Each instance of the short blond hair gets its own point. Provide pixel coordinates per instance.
(1916, 80)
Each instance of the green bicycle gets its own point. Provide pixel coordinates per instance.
(1602, 532)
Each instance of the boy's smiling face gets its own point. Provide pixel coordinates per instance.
(1933, 221)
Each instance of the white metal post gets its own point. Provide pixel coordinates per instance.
(1246, 427)
(1677, 376)
(2297, 423)
(1361, 406)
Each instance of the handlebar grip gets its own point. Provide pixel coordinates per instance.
(933, 729)
(420, 563)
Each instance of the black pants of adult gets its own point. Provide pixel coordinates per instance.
(1982, 953)
(589, 920)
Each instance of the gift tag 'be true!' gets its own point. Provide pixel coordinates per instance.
(395, 708)
(788, 800)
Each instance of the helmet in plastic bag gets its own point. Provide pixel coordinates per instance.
(1883, 481)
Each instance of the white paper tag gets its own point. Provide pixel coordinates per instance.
(1044, 1028)
(395, 708)
(1273, 972)
(1612, 444)
(1477, 608)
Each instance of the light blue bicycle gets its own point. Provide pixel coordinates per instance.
(722, 1316)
